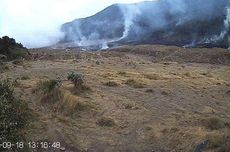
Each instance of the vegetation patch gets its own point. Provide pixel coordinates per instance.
(149, 91)
(49, 85)
(106, 122)
(128, 105)
(214, 123)
(220, 142)
(18, 62)
(73, 103)
(165, 93)
(14, 115)
(51, 97)
(25, 77)
(3, 67)
(77, 79)
(207, 74)
(112, 84)
(11, 49)
(152, 76)
(122, 73)
(134, 83)
(61, 100)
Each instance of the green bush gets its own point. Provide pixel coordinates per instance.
(13, 114)
(49, 85)
(77, 79)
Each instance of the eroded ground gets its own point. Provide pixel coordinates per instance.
(143, 104)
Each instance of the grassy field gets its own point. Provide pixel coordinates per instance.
(140, 98)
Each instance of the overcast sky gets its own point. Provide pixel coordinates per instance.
(35, 23)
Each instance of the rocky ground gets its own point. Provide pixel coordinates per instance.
(138, 98)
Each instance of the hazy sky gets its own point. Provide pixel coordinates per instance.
(35, 23)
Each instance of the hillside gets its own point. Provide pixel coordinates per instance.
(180, 22)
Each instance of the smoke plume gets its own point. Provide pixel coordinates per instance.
(177, 22)
(36, 23)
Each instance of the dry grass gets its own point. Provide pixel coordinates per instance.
(18, 62)
(73, 103)
(112, 83)
(64, 101)
(4, 67)
(25, 77)
(164, 116)
(149, 91)
(51, 97)
(219, 141)
(153, 76)
(135, 83)
(122, 73)
(214, 123)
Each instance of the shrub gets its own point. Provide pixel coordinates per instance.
(51, 97)
(165, 93)
(106, 122)
(13, 114)
(219, 142)
(214, 123)
(149, 91)
(18, 62)
(135, 83)
(77, 79)
(49, 85)
(122, 73)
(3, 67)
(152, 76)
(71, 104)
(25, 77)
(112, 84)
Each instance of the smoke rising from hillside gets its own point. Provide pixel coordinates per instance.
(189, 21)
(156, 15)
(36, 23)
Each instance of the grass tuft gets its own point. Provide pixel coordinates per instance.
(49, 85)
(106, 122)
(220, 142)
(134, 83)
(214, 123)
(112, 84)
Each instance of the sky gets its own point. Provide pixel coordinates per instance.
(36, 23)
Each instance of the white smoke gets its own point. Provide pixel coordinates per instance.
(224, 32)
(141, 20)
(227, 25)
(104, 46)
(130, 12)
(36, 23)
